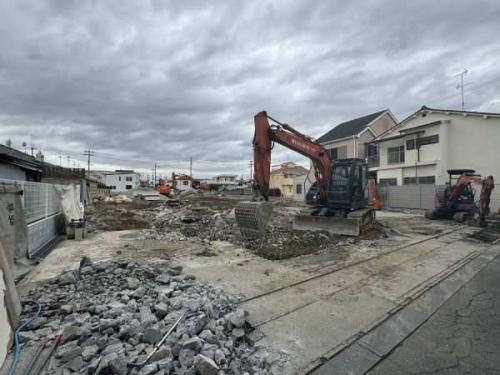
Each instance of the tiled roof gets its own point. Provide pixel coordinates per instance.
(349, 128)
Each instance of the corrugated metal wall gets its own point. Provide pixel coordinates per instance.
(422, 196)
(42, 210)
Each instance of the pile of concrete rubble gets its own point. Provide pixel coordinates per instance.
(112, 314)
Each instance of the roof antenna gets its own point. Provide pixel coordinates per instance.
(460, 86)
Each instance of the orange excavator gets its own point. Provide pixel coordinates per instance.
(162, 188)
(339, 205)
(457, 200)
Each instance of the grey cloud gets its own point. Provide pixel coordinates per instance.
(167, 80)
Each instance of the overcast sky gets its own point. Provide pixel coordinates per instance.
(144, 81)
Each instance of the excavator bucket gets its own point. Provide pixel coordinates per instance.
(252, 218)
(354, 224)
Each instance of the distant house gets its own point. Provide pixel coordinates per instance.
(119, 180)
(430, 141)
(17, 165)
(226, 179)
(282, 178)
(182, 182)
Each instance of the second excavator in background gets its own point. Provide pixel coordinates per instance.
(339, 205)
(457, 200)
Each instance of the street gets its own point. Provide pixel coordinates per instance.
(462, 337)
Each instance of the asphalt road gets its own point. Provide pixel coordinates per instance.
(462, 337)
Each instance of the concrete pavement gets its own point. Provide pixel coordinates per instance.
(462, 337)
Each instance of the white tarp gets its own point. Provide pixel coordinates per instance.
(70, 202)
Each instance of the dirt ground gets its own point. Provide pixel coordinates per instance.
(210, 218)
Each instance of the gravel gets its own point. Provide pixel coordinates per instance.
(112, 315)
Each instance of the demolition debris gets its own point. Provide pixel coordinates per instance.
(112, 314)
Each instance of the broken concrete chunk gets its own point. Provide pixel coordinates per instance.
(75, 364)
(67, 278)
(162, 353)
(149, 369)
(147, 317)
(66, 309)
(186, 357)
(175, 270)
(161, 310)
(151, 335)
(219, 357)
(138, 293)
(237, 318)
(25, 336)
(113, 348)
(163, 278)
(71, 333)
(68, 354)
(238, 332)
(132, 283)
(194, 343)
(89, 352)
(205, 366)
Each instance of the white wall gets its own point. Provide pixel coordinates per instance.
(120, 181)
(464, 142)
(183, 185)
(299, 196)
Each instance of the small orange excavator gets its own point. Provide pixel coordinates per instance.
(456, 201)
(162, 188)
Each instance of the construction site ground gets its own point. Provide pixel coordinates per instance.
(309, 295)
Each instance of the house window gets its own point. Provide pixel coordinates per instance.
(421, 180)
(427, 180)
(128, 187)
(128, 178)
(338, 153)
(119, 178)
(298, 188)
(396, 155)
(388, 181)
(428, 140)
(185, 182)
(410, 143)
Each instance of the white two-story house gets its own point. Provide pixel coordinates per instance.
(120, 180)
(431, 141)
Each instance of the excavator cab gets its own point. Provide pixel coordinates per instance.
(348, 185)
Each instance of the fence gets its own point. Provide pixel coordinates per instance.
(421, 196)
(42, 211)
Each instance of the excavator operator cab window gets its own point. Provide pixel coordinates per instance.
(340, 177)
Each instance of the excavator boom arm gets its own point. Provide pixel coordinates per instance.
(286, 136)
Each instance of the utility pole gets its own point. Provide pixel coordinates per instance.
(191, 167)
(460, 86)
(68, 160)
(154, 181)
(251, 169)
(60, 160)
(88, 153)
(32, 147)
